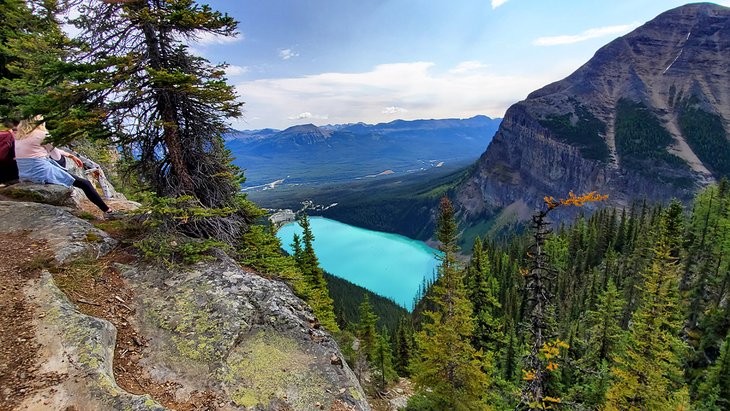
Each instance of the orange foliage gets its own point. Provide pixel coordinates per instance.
(528, 375)
(574, 200)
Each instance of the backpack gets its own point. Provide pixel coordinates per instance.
(8, 167)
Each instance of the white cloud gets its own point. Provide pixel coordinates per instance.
(497, 3)
(586, 35)
(286, 54)
(468, 66)
(233, 70)
(394, 110)
(308, 115)
(426, 92)
(208, 39)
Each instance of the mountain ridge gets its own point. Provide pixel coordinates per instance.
(308, 154)
(622, 123)
(332, 127)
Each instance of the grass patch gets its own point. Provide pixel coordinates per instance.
(123, 229)
(84, 215)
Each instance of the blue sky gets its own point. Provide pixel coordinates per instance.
(343, 61)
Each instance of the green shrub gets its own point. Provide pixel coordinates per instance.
(171, 250)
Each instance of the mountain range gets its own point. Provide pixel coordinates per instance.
(647, 116)
(308, 154)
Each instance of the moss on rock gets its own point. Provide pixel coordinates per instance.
(270, 367)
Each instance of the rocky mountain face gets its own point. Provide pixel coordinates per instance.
(647, 116)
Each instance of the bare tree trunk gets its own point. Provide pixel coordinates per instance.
(166, 107)
(538, 295)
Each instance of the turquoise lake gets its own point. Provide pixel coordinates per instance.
(387, 264)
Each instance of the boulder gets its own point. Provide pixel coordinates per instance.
(218, 326)
(68, 236)
(53, 194)
(79, 349)
(209, 326)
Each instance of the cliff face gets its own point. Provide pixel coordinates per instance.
(648, 115)
(119, 333)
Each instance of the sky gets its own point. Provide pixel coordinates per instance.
(347, 61)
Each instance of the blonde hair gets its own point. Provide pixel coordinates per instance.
(28, 126)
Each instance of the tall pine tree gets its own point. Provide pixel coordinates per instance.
(165, 106)
(367, 330)
(382, 360)
(313, 276)
(447, 369)
(648, 373)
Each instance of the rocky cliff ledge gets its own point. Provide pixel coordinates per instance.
(213, 331)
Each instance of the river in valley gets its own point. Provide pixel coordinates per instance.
(387, 264)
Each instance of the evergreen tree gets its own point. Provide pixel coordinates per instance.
(366, 330)
(604, 337)
(605, 333)
(648, 373)
(447, 369)
(483, 290)
(714, 392)
(34, 77)
(296, 245)
(316, 286)
(261, 249)
(167, 107)
(403, 346)
(382, 360)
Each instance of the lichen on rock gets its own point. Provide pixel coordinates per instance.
(216, 326)
(268, 368)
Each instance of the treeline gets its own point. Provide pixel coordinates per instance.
(348, 297)
(625, 309)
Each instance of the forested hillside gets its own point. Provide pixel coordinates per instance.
(625, 308)
(632, 312)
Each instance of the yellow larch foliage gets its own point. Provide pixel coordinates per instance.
(529, 375)
(573, 200)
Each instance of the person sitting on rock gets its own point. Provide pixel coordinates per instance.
(59, 156)
(8, 169)
(35, 165)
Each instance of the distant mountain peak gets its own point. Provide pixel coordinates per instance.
(305, 134)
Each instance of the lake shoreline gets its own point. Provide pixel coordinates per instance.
(387, 264)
